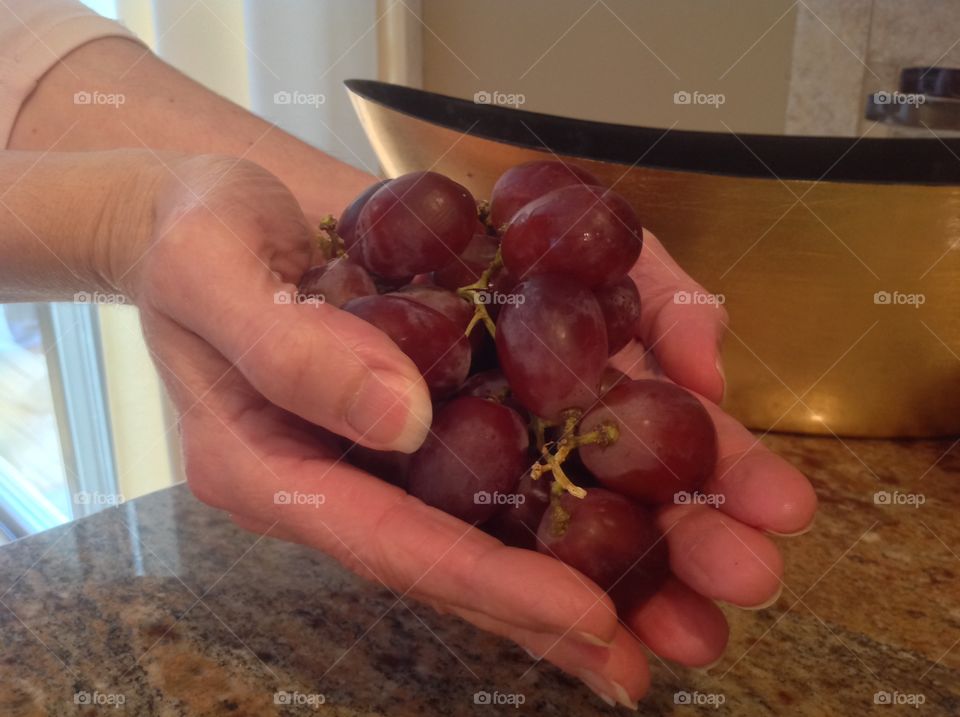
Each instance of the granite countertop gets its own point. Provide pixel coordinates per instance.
(162, 604)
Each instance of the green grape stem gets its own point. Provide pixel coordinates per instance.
(555, 453)
(483, 213)
(472, 293)
(330, 243)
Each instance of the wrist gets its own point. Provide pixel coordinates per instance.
(69, 221)
(127, 230)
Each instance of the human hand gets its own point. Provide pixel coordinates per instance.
(252, 379)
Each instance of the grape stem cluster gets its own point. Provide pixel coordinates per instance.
(554, 453)
(473, 292)
(331, 244)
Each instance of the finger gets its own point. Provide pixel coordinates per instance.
(758, 487)
(680, 625)
(684, 331)
(720, 557)
(325, 365)
(618, 673)
(266, 529)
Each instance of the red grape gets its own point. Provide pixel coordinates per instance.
(666, 444)
(467, 268)
(520, 185)
(492, 385)
(437, 346)
(620, 304)
(501, 284)
(603, 535)
(611, 377)
(347, 223)
(589, 233)
(487, 384)
(517, 522)
(458, 310)
(415, 224)
(446, 302)
(552, 345)
(473, 457)
(390, 466)
(337, 282)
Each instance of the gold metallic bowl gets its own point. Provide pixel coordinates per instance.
(836, 257)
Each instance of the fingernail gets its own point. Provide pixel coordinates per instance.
(600, 687)
(591, 639)
(768, 603)
(610, 692)
(802, 531)
(622, 698)
(391, 411)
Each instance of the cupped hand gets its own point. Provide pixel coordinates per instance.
(261, 382)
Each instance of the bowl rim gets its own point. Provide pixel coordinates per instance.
(860, 160)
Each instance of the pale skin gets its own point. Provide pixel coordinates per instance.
(201, 241)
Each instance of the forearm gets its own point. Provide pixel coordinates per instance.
(165, 110)
(62, 216)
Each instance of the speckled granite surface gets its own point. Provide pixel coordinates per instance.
(164, 605)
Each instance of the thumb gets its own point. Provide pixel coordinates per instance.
(325, 365)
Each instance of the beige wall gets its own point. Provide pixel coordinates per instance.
(618, 60)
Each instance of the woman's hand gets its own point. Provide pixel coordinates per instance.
(253, 378)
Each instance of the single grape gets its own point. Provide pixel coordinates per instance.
(458, 310)
(389, 285)
(467, 268)
(434, 343)
(620, 304)
(611, 377)
(492, 384)
(516, 523)
(666, 444)
(642, 580)
(390, 466)
(552, 345)
(489, 384)
(337, 282)
(415, 224)
(446, 302)
(475, 454)
(347, 223)
(589, 233)
(603, 535)
(501, 284)
(520, 185)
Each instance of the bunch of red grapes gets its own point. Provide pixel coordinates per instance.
(511, 310)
